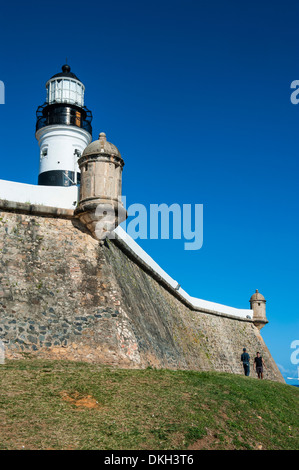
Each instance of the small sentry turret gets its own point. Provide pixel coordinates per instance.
(258, 305)
(100, 206)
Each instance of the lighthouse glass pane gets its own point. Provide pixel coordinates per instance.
(63, 90)
(58, 96)
(72, 92)
(66, 91)
(53, 88)
(80, 94)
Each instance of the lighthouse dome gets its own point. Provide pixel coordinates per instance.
(65, 73)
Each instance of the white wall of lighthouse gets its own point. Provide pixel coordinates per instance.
(60, 148)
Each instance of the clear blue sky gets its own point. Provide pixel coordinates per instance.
(196, 95)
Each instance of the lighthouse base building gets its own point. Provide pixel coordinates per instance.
(69, 293)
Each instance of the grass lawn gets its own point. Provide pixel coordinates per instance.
(69, 405)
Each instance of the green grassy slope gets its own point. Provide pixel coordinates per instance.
(67, 405)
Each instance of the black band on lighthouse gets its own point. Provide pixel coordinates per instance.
(58, 178)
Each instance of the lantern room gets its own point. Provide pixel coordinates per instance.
(65, 87)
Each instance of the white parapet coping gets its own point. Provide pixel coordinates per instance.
(51, 196)
(199, 304)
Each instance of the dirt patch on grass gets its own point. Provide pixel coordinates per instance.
(205, 443)
(80, 401)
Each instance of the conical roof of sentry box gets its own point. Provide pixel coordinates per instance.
(101, 146)
(257, 296)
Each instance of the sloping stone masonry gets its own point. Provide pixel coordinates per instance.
(64, 295)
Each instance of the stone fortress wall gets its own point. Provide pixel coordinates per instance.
(65, 295)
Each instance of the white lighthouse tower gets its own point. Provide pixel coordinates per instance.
(63, 130)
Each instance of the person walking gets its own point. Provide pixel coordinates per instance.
(259, 365)
(245, 358)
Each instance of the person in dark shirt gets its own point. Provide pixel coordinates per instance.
(245, 358)
(258, 365)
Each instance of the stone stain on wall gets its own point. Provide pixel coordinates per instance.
(65, 295)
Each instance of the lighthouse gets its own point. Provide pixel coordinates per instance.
(63, 130)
